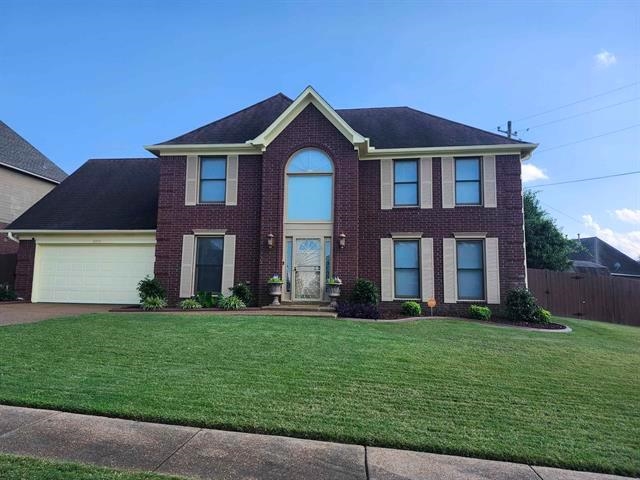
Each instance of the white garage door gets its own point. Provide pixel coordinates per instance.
(91, 273)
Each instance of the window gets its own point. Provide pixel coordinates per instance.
(470, 257)
(327, 258)
(310, 187)
(213, 174)
(209, 264)
(468, 181)
(405, 182)
(406, 268)
(288, 262)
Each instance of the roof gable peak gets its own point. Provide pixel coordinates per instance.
(309, 96)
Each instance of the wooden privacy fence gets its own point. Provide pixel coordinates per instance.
(605, 298)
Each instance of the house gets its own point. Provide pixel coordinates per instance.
(603, 257)
(26, 175)
(423, 206)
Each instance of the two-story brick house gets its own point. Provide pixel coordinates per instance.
(423, 206)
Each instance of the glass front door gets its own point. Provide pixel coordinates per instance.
(307, 265)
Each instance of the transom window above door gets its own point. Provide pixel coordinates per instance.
(309, 180)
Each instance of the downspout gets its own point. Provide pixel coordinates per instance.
(11, 237)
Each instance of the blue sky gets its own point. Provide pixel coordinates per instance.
(102, 78)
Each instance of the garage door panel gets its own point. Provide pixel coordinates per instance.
(91, 273)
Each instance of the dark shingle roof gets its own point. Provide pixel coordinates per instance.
(237, 127)
(113, 194)
(388, 127)
(599, 251)
(404, 127)
(16, 152)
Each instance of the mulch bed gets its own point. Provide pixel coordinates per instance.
(539, 326)
(137, 308)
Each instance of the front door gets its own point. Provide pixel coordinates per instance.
(307, 269)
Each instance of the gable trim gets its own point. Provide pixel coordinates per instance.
(308, 97)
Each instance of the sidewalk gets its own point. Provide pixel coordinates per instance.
(215, 454)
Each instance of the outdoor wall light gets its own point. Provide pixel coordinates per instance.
(343, 240)
(270, 240)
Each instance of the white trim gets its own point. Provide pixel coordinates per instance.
(215, 232)
(444, 151)
(204, 149)
(412, 235)
(12, 167)
(471, 235)
(308, 97)
(72, 232)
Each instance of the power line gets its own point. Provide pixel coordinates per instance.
(588, 138)
(584, 179)
(563, 213)
(578, 101)
(582, 113)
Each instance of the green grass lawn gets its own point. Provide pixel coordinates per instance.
(23, 468)
(567, 400)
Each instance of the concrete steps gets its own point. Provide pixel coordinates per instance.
(301, 310)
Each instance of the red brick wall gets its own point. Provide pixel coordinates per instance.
(176, 219)
(24, 268)
(504, 222)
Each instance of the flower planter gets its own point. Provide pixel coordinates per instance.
(275, 290)
(333, 290)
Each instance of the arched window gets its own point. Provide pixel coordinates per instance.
(309, 187)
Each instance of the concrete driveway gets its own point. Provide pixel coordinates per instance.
(14, 313)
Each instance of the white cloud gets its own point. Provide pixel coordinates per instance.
(628, 242)
(605, 59)
(531, 173)
(628, 215)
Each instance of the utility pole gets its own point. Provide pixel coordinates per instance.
(510, 133)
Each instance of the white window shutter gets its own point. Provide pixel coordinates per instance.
(426, 183)
(232, 180)
(448, 182)
(228, 263)
(489, 181)
(386, 184)
(449, 270)
(186, 268)
(191, 179)
(426, 268)
(493, 270)
(386, 269)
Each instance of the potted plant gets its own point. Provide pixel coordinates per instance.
(333, 290)
(275, 288)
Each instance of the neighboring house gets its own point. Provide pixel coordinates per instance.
(423, 206)
(26, 176)
(601, 256)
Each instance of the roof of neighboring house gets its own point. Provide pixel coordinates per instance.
(16, 152)
(591, 268)
(104, 194)
(387, 127)
(601, 252)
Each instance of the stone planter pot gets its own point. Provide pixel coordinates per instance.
(334, 292)
(275, 290)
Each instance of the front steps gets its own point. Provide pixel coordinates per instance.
(301, 310)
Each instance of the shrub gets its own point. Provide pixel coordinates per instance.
(544, 316)
(6, 294)
(231, 303)
(243, 292)
(153, 303)
(150, 287)
(190, 304)
(364, 292)
(479, 312)
(207, 299)
(358, 310)
(412, 308)
(521, 306)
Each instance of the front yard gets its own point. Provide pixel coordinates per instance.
(568, 400)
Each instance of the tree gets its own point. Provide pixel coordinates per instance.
(547, 246)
